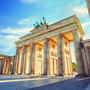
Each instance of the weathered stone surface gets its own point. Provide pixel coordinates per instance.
(87, 44)
(22, 60)
(2, 66)
(45, 66)
(39, 29)
(31, 59)
(16, 60)
(64, 28)
(87, 58)
(59, 55)
(13, 66)
(9, 67)
(78, 55)
(47, 34)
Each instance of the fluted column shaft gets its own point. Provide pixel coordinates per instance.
(9, 67)
(31, 59)
(45, 66)
(87, 59)
(2, 66)
(22, 61)
(16, 61)
(76, 39)
(59, 55)
(13, 65)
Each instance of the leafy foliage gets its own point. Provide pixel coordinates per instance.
(74, 66)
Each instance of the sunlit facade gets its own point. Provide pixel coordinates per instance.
(46, 50)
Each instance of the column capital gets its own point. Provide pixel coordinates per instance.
(23, 45)
(86, 47)
(45, 40)
(31, 44)
(17, 48)
(74, 30)
(59, 35)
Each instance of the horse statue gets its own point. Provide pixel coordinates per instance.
(41, 22)
(35, 25)
(38, 25)
(44, 19)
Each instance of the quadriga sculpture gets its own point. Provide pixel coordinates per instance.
(41, 23)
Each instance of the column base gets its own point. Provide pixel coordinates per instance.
(1, 73)
(44, 74)
(19, 73)
(15, 74)
(29, 74)
(23, 74)
(80, 75)
(59, 75)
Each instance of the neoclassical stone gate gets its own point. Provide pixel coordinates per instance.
(46, 49)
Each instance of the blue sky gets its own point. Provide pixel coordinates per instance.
(18, 16)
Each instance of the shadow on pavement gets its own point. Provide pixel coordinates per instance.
(77, 83)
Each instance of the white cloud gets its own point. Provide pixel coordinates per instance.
(84, 25)
(72, 52)
(86, 28)
(17, 31)
(11, 35)
(29, 1)
(81, 11)
(28, 21)
(52, 15)
(7, 42)
(10, 45)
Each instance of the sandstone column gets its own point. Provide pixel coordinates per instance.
(2, 65)
(45, 65)
(22, 61)
(6, 66)
(71, 70)
(16, 61)
(84, 61)
(59, 55)
(9, 67)
(79, 61)
(31, 59)
(87, 59)
(13, 65)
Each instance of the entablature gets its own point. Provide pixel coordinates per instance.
(66, 25)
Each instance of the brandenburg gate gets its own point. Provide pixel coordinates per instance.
(46, 49)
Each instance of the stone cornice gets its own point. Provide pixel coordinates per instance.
(85, 41)
(48, 34)
(80, 27)
(42, 32)
(55, 26)
(38, 28)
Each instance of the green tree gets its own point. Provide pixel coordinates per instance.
(74, 66)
